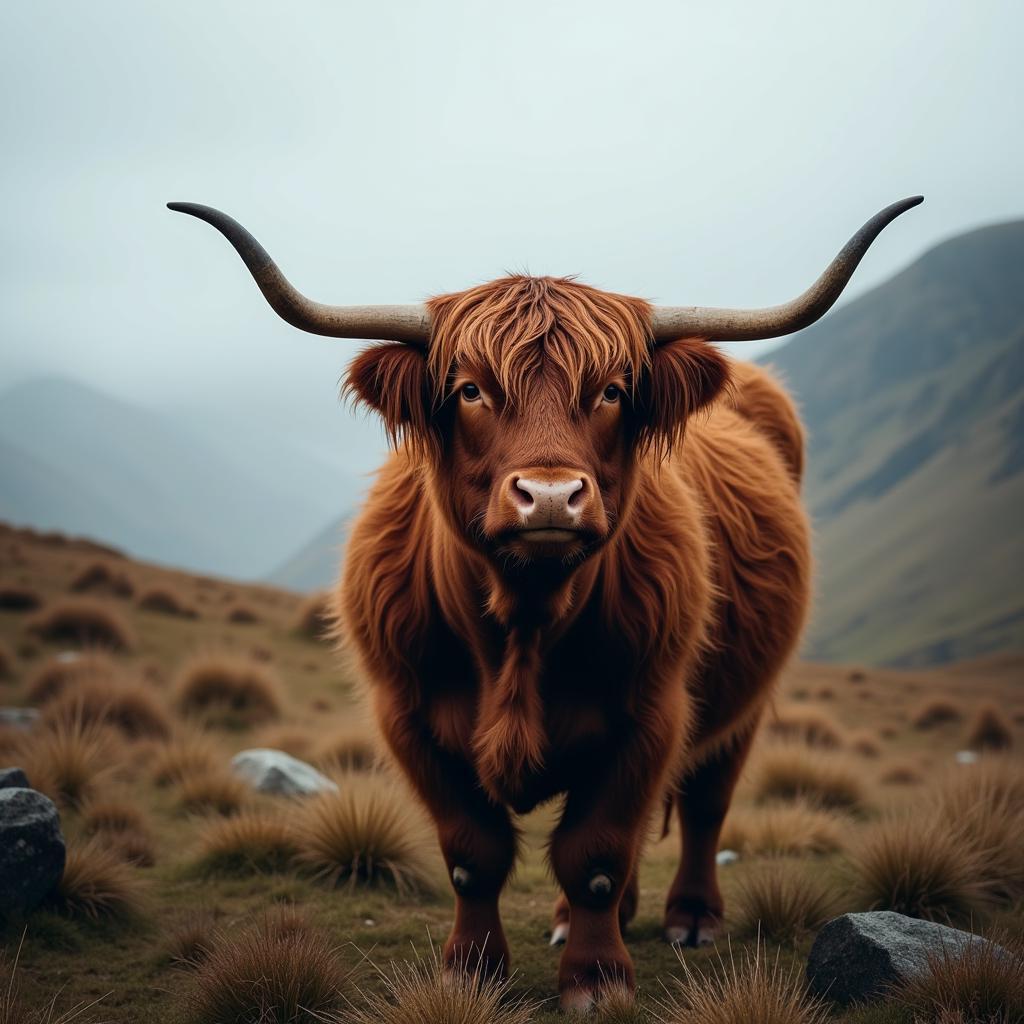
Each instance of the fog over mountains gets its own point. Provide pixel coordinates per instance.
(912, 395)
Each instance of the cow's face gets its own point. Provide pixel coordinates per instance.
(531, 408)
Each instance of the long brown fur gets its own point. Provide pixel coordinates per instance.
(634, 667)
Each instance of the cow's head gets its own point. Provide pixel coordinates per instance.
(527, 399)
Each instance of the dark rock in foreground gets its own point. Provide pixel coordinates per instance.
(858, 957)
(13, 778)
(31, 849)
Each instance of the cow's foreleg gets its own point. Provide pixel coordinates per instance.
(693, 910)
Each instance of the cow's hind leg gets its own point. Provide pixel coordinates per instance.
(693, 910)
(627, 911)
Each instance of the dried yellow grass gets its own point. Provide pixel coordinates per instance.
(787, 828)
(797, 772)
(224, 689)
(214, 791)
(253, 842)
(990, 730)
(782, 902)
(188, 753)
(132, 708)
(83, 621)
(98, 884)
(68, 760)
(805, 724)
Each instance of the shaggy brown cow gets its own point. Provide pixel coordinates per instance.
(579, 573)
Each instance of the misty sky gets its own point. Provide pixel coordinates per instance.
(710, 153)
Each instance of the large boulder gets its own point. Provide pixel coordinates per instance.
(274, 771)
(13, 778)
(859, 957)
(31, 849)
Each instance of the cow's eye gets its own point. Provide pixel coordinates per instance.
(612, 393)
(470, 392)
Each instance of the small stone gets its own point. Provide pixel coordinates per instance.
(31, 849)
(859, 957)
(724, 857)
(966, 756)
(274, 771)
(13, 778)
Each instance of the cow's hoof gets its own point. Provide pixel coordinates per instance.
(560, 934)
(679, 935)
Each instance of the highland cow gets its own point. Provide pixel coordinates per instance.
(579, 574)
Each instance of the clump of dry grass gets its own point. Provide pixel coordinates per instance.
(67, 760)
(100, 577)
(112, 814)
(368, 833)
(132, 847)
(229, 690)
(98, 884)
(749, 988)
(314, 618)
(806, 724)
(242, 615)
(82, 620)
(920, 866)
(990, 730)
(253, 842)
(292, 739)
(938, 711)
(864, 743)
(186, 754)
(216, 791)
(782, 901)
(901, 774)
(65, 670)
(191, 939)
(422, 991)
(130, 707)
(790, 828)
(348, 749)
(982, 983)
(268, 976)
(166, 601)
(16, 598)
(798, 772)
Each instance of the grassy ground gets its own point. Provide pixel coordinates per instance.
(126, 964)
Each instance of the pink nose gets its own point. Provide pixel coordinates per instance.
(549, 504)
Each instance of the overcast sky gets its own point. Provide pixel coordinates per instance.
(712, 153)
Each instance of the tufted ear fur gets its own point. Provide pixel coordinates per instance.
(392, 380)
(684, 377)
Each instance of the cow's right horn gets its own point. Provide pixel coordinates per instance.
(410, 323)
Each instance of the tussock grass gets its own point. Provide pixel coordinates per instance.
(68, 760)
(242, 615)
(186, 754)
(797, 772)
(806, 724)
(66, 670)
(221, 688)
(782, 901)
(990, 730)
(165, 600)
(98, 577)
(983, 984)
(937, 711)
(918, 865)
(290, 738)
(315, 618)
(266, 976)
(216, 791)
(98, 884)
(130, 707)
(368, 833)
(254, 842)
(788, 828)
(132, 847)
(748, 988)
(190, 940)
(421, 991)
(16, 598)
(112, 814)
(348, 749)
(864, 743)
(83, 621)
(901, 774)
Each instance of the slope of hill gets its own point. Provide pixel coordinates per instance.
(74, 459)
(913, 399)
(315, 564)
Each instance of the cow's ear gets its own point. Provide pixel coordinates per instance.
(392, 380)
(684, 377)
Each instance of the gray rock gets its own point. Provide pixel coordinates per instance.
(858, 957)
(274, 771)
(13, 778)
(31, 849)
(19, 718)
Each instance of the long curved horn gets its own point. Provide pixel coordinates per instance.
(389, 323)
(670, 322)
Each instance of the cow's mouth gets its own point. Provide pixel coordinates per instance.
(549, 535)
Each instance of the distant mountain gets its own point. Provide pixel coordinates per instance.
(914, 403)
(913, 396)
(77, 460)
(315, 565)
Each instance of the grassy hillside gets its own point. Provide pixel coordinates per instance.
(172, 875)
(914, 404)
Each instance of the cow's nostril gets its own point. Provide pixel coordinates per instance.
(577, 498)
(521, 496)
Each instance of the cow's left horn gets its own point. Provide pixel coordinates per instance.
(390, 323)
(670, 322)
